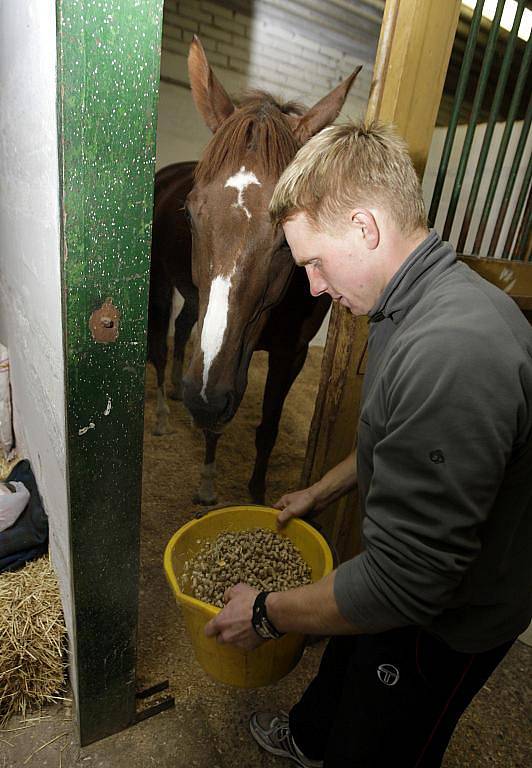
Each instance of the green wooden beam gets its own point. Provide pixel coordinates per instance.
(108, 76)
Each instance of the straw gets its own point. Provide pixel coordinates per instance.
(32, 640)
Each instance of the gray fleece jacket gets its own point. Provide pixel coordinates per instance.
(444, 459)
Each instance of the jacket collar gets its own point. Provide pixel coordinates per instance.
(429, 259)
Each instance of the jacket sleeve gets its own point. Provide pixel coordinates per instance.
(437, 467)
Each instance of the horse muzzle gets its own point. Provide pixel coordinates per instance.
(211, 410)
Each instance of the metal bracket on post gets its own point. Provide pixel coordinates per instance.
(165, 703)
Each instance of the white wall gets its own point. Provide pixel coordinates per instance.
(245, 53)
(30, 293)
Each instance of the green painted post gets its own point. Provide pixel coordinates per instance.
(108, 76)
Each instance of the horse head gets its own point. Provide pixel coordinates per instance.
(240, 262)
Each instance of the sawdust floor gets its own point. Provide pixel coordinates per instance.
(208, 727)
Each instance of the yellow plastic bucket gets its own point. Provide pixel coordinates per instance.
(272, 660)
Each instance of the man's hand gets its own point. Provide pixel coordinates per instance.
(333, 485)
(295, 504)
(233, 623)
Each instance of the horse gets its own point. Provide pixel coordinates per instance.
(214, 242)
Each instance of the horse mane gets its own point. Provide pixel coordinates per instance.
(257, 125)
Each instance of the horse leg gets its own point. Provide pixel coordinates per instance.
(184, 323)
(207, 488)
(282, 371)
(159, 317)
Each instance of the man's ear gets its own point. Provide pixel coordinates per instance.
(366, 225)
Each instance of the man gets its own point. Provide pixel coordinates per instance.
(424, 614)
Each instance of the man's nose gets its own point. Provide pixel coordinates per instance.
(316, 282)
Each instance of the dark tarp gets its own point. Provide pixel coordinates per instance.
(27, 538)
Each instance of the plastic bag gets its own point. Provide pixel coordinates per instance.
(14, 498)
(6, 429)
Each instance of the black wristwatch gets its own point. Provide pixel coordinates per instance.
(261, 623)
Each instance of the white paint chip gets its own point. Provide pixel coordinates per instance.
(83, 430)
(240, 181)
(214, 325)
(108, 408)
(507, 276)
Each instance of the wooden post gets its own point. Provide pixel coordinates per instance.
(414, 49)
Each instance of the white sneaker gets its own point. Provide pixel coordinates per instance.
(271, 730)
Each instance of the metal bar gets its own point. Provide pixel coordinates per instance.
(162, 706)
(518, 156)
(518, 210)
(457, 104)
(514, 104)
(524, 242)
(475, 111)
(490, 126)
(158, 688)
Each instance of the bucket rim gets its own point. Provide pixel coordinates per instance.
(212, 610)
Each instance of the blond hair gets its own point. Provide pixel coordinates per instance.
(348, 165)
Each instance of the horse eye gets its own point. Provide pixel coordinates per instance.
(188, 217)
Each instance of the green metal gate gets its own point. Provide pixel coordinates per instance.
(504, 54)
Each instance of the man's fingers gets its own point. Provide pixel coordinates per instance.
(211, 629)
(283, 517)
(228, 595)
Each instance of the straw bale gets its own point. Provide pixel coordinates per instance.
(6, 465)
(32, 639)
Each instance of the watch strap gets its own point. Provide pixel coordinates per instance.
(262, 625)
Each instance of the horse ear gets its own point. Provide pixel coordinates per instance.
(324, 112)
(210, 97)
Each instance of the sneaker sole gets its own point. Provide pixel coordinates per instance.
(256, 733)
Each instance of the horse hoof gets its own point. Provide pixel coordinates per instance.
(161, 429)
(176, 394)
(206, 502)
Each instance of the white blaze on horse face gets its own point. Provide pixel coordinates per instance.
(215, 323)
(240, 181)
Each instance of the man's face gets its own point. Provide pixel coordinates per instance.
(342, 266)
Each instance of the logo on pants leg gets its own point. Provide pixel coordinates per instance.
(388, 674)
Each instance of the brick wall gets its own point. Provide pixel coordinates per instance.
(245, 51)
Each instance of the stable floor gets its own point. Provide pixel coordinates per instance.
(208, 727)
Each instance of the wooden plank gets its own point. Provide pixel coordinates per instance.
(108, 72)
(414, 49)
(512, 277)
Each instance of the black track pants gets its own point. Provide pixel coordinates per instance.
(390, 700)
